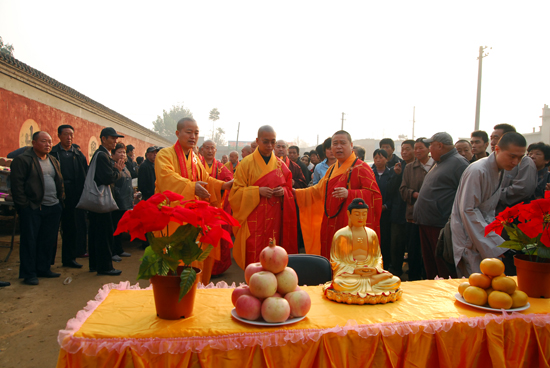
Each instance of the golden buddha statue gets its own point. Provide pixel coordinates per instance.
(358, 276)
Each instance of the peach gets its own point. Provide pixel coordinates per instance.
(237, 292)
(300, 303)
(251, 269)
(248, 307)
(263, 284)
(275, 310)
(287, 281)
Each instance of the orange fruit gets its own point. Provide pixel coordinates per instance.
(479, 280)
(492, 266)
(462, 287)
(489, 291)
(475, 295)
(500, 300)
(503, 283)
(519, 299)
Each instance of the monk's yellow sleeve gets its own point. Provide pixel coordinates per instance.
(168, 175)
(311, 204)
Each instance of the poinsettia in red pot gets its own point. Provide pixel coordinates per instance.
(531, 236)
(167, 260)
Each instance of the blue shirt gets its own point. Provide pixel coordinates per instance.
(320, 171)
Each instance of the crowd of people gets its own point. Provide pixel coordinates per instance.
(428, 207)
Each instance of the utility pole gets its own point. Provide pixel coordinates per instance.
(343, 121)
(414, 108)
(479, 70)
(317, 139)
(238, 129)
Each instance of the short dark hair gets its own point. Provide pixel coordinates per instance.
(320, 151)
(541, 146)
(183, 121)
(118, 146)
(465, 141)
(327, 144)
(35, 135)
(64, 126)
(482, 134)
(313, 152)
(511, 138)
(139, 160)
(410, 142)
(348, 136)
(360, 152)
(294, 147)
(505, 128)
(421, 140)
(306, 153)
(381, 152)
(389, 142)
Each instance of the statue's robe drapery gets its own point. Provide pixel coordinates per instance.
(344, 264)
(262, 218)
(317, 201)
(181, 180)
(218, 171)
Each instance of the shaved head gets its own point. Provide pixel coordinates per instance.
(181, 123)
(209, 141)
(281, 149)
(234, 157)
(265, 129)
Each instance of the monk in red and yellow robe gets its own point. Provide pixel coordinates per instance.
(262, 218)
(322, 214)
(178, 169)
(219, 171)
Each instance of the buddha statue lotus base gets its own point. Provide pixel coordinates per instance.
(343, 297)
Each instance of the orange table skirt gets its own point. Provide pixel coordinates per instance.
(426, 328)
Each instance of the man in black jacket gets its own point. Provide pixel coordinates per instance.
(146, 174)
(101, 225)
(37, 189)
(131, 164)
(73, 221)
(294, 155)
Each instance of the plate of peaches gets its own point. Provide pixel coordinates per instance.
(492, 290)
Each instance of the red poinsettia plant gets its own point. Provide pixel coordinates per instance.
(531, 233)
(198, 223)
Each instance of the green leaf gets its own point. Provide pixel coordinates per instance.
(512, 245)
(188, 277)
(149, 264)
(205, 253)
(543, 252)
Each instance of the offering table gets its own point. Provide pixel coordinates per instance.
(427, 328)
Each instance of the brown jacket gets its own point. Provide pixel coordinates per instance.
(413, 177)
(27, 180)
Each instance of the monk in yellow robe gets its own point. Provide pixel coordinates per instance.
(233, 162)
(262, 202)
(322, 206)
(178, 169)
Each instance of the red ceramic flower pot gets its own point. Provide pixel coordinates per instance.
(533, 277)
(166, 290)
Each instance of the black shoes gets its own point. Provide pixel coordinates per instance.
(49, 275)
(72, 264)
(113, 272)
(31, 281)
(5, 283)
(125, 254)
(116, 258)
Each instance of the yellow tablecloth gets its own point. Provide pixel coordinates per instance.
(426, 328)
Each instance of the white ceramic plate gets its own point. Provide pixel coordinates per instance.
(486, 306)
(264, 323)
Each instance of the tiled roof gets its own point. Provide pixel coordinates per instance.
(65, 89)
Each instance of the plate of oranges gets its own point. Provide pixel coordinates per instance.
(492, 289)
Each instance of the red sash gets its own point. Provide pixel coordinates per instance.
(183, 162)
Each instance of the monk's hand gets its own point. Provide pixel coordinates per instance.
(227, 185)
(266, 192)
(200, 191)
(279, 192)
(120, 164)
(340, 193)
(397, 168)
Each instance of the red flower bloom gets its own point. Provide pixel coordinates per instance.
(537, 220)
(505, 218)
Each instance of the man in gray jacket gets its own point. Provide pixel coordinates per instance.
(435, 200)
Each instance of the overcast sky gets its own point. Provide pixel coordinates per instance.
(296, 65)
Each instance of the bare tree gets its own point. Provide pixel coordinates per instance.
(219, 138)
(214, 116)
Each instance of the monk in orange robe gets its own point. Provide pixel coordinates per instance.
(323, 206)
(217, 170)
(233, 162)
(262, 202)
(178, 169)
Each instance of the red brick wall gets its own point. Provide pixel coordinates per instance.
(18, 114)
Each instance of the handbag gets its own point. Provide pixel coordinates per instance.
(96, 199)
